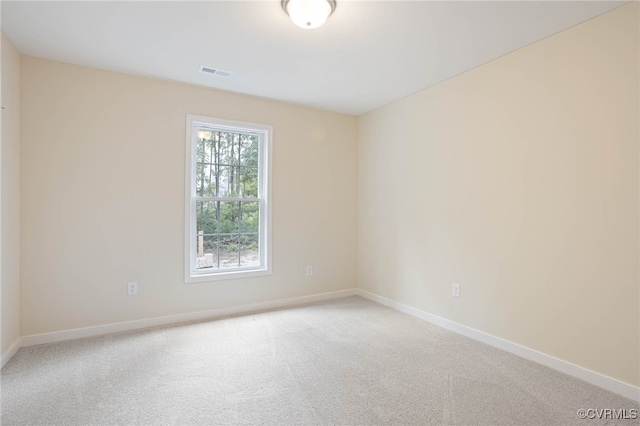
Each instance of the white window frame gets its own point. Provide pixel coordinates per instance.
(264, 133)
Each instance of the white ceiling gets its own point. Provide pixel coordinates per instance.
(369, 53)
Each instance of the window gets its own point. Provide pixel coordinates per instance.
(227, 216)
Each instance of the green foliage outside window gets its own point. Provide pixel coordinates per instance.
(227, 166)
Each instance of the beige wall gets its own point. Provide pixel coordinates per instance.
(103, 198)
(10, 195)
(519, 181)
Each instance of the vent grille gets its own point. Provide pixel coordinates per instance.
(215, 71)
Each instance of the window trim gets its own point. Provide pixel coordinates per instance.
(264, 193)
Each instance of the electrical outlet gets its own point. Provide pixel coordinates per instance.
(309, 271)
(455, 290)
(132, 288)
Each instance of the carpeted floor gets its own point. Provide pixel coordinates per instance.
(347, 361)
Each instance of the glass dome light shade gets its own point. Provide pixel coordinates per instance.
(309, 14)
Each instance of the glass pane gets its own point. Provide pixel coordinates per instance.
(250, 217)
(229, 217)
(206, 252)
(227, 164)
(249, 253)
(249, 150)
(229, 148)
(206, 168)
(206, 217)
(205, 180)
(249, 182)
(229, 252)
(228, 181)
(205, 145)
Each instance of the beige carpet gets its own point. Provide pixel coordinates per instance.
(347, 361)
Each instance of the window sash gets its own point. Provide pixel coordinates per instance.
(261, 240)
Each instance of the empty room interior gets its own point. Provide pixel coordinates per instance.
(320, 212)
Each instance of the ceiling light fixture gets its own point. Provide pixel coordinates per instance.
(309, 14)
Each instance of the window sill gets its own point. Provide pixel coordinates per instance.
(219, 276)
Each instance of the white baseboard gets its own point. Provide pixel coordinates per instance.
(58, 336)
(608, 383)
(611, 384)
(9, 353)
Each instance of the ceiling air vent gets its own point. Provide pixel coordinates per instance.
(214, 71)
